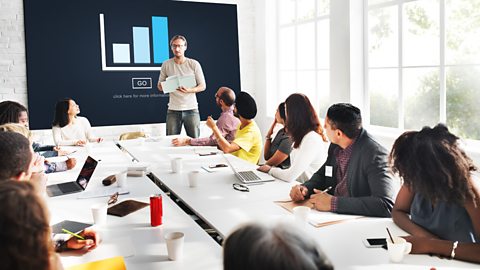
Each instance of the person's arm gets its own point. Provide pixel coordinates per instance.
(223, 144)
(161, 78)
(306, 154)
(401, 214)
(211, 140)
(268, 142)
(277, 158)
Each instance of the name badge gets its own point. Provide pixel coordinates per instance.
(328, 171)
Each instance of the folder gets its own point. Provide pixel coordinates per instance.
(173, 82)
(114, 263)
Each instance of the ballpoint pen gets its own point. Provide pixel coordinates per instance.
(327, 189)
(73, 234)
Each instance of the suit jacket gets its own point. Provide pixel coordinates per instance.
(370, 184)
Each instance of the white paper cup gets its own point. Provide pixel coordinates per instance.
(121, 179)
(174, 242)
(177, 165)
(99, 212)
(193, 178)
(301, 215)
(397, 251)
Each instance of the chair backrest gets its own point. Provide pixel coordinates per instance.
(132, 135)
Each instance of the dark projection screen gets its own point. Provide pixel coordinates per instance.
(107, 56)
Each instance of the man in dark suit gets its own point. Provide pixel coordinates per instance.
(355, 178)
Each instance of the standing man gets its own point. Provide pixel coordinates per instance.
(227, 123)
(356, 178)
(182, 106)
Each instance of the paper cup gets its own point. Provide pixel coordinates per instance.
(99, 212)
(121, 179)
(174, 242)
(301, 215)
(193, 178)
(177, 165)
(397, 250)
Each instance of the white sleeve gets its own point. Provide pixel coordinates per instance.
(305, 155)
(88, 130)
(57, 137)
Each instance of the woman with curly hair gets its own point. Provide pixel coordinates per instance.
(438, 203)
(24, 229)
(310, 145)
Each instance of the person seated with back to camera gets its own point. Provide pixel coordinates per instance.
(256, 246)
(247, 144)
(70, 129)
(309, 143)
(439, 201)
(14, 112)
(227, 123)
(276, 151)
(356, 178)
(17, 163)
(48, 167)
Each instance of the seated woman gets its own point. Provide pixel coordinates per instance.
(438, 203)
(14, 112)
(310, 146)
(25, 230)
(276, 152)
(70, 129)
(40, 162)
(255, 246)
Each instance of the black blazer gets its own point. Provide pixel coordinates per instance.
(370, 184)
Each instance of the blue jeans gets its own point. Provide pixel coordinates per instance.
(190, 119)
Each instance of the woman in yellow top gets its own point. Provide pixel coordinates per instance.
(247, 144)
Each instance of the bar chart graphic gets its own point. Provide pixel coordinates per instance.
(140, 47)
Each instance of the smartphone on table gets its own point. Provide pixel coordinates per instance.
(375, 242)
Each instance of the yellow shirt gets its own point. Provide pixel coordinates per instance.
(249, 139)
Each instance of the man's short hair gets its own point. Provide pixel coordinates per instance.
(15, 154)
(227, 95)
(178, 37)
(246, 106)
(256, 247)
(345, 117)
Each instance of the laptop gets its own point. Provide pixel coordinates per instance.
(75, 186)
(248, 177)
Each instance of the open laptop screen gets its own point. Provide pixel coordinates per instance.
(86, 172)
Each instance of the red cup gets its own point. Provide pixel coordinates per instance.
(156, 211)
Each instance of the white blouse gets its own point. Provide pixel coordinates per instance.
(80, 129)
(304, 160)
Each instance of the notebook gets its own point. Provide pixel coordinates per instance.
(75, 186)
(248, 177)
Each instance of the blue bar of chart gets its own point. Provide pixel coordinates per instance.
(141, 45)
(160, 39)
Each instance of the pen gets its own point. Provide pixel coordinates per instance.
(327, 189)
(73, 234)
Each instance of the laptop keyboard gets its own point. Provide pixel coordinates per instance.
(249, 176)
(68, 187)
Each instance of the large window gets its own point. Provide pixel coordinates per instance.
(303, 51)
(423, 64)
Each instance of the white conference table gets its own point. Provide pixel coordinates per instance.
(131, 236)
(223, 208)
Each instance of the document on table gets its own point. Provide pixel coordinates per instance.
(115, 263)
(173, 82)
(317, 218)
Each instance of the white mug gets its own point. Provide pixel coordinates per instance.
(177, 165)
(301, 214)
(193, 178)
(397, 250)
(99, 212)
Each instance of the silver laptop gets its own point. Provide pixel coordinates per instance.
(75, 186)
(248, 177)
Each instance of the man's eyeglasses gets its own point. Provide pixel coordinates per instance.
(113, 199)
(240, 187)
(177, 46)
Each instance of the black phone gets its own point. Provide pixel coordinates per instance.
(375, 242)
(220, 165)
